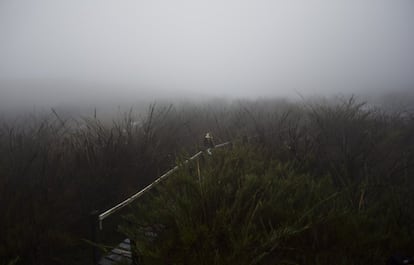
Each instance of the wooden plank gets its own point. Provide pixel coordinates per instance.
(108, 261)
(105, 261)
(121, 252)
(114, 257)
(124, 246)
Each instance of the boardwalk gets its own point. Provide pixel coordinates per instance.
(122, 253)
(119, 255)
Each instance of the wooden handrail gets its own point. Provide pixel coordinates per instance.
(127, 201)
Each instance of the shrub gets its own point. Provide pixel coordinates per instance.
(241, 208)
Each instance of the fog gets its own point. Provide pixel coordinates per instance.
(91, 52)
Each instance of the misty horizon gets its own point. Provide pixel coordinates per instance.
(96, 52)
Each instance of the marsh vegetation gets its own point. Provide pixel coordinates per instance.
(320, 183)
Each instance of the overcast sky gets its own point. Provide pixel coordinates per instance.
(212, 47)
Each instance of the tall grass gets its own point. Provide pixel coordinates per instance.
(54, 170)
(242, 207)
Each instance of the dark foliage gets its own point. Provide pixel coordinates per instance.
(54, 171)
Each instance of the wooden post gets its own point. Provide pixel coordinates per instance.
(135, 258)
(134, 253)
(94, 220)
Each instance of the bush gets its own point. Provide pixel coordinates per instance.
(242, 208)
(54, 170)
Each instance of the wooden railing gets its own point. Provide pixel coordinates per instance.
(97, 218)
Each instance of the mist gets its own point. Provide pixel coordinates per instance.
(100, 52)
(206, 132)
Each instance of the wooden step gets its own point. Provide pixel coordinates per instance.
(121, 254)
